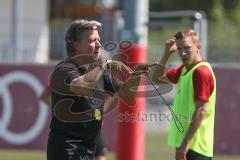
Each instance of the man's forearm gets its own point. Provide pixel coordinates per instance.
(84, 84)
(164, 59)
(197, 119)
(93, 76)
(160, 69)
(128, 90)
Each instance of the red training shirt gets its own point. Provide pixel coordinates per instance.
(203, 82)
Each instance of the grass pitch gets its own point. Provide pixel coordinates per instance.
(155, 149)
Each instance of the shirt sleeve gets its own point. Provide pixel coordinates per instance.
(71, 75)
(203, 83)
(62, 76)
(174, 74)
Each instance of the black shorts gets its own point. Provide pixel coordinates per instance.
(100, 148)
(61, 147)
(192, 155)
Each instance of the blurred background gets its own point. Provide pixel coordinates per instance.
(32, 42)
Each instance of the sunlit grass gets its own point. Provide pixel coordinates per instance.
(155, 149)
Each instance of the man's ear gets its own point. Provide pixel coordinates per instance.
(198, 48)
(76, 45)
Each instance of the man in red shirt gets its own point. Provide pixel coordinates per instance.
(197, 97)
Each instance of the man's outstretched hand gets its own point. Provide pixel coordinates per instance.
(143, 68)
(122, 72)
(118, 70)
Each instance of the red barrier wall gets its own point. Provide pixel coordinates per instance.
(227, 129)
(24, 120)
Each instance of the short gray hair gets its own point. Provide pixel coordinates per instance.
(75, 31)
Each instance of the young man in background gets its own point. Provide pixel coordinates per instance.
(195, 97)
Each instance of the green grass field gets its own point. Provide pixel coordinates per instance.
(156, 146)
(156, 149)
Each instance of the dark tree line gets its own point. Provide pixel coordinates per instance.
(215, 9)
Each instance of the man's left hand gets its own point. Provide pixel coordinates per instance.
(181, 152)
(119, 70)
(143, 68)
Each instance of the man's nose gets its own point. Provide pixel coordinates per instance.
(98, 44)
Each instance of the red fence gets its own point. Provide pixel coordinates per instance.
(24, 119)
(227, 128)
